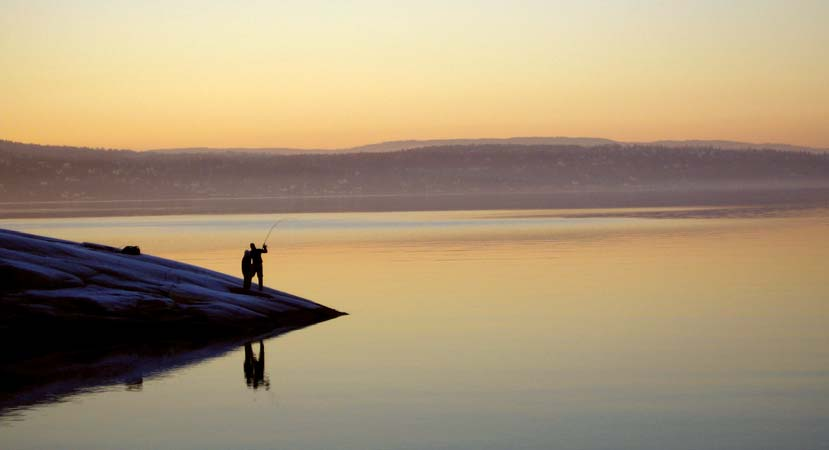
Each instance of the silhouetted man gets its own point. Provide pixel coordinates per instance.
(247, 269)
(255, 367)
(256, 261)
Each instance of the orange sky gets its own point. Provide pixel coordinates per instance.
(331, 74)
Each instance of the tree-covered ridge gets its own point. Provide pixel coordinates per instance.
(31, 172)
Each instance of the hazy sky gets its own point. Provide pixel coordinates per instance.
(312, 73)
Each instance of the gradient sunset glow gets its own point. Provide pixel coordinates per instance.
(329, 74)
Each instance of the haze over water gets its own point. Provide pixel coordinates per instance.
(581, 329)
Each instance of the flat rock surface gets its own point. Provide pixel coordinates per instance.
(48, 284)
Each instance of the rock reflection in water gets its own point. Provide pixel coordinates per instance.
(38, 375)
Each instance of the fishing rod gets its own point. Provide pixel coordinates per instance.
(269, 231)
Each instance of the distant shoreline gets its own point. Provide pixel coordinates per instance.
(414, 202)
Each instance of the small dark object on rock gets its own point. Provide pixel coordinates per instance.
(131, 250)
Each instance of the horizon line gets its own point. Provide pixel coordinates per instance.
(428, 140)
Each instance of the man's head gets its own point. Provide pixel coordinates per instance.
(252, 246)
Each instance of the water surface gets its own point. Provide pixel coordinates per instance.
(600, 329)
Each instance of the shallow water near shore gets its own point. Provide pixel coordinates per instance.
(658, 328)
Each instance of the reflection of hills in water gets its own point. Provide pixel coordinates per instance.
(620, 198)
(37, 375)
(702, 212)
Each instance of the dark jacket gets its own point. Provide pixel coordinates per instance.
(246, 263)
(256, 255)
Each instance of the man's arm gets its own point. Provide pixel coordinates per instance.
(264, 248)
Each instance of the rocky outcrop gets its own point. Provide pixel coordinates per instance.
(51, 286)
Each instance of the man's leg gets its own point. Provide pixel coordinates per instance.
(259, 276)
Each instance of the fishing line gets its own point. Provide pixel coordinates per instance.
(271, 230)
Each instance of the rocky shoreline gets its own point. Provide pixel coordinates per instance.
(81, 291)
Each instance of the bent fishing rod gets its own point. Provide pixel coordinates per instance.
(265, 242)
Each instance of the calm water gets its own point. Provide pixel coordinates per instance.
(613, 329)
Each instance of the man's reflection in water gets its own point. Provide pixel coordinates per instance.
(255, 367)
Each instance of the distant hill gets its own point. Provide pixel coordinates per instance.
(47, 173)
(392, 146)
(734, 145)
(263, 150)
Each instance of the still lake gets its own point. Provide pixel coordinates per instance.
(537, 329)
